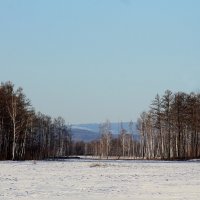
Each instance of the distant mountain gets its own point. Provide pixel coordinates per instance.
(90, 132)
(83, 134)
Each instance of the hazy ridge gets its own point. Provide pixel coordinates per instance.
(90, 131)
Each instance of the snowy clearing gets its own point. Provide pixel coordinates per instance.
(99, 180)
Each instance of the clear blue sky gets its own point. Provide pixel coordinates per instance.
(91, 60)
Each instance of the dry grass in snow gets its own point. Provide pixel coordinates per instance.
(97, 180)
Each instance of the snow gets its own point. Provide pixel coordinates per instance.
(99, 180)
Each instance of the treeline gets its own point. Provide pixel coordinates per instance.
(169, 130)
(125, 144)
(25, 134)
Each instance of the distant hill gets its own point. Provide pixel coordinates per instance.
(84, 134)
(90, 132)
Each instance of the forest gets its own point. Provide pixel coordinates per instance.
(169, 130)
(25, 134)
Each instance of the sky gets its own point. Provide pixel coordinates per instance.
(93, 60)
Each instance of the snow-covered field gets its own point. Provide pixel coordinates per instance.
(99, 180)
